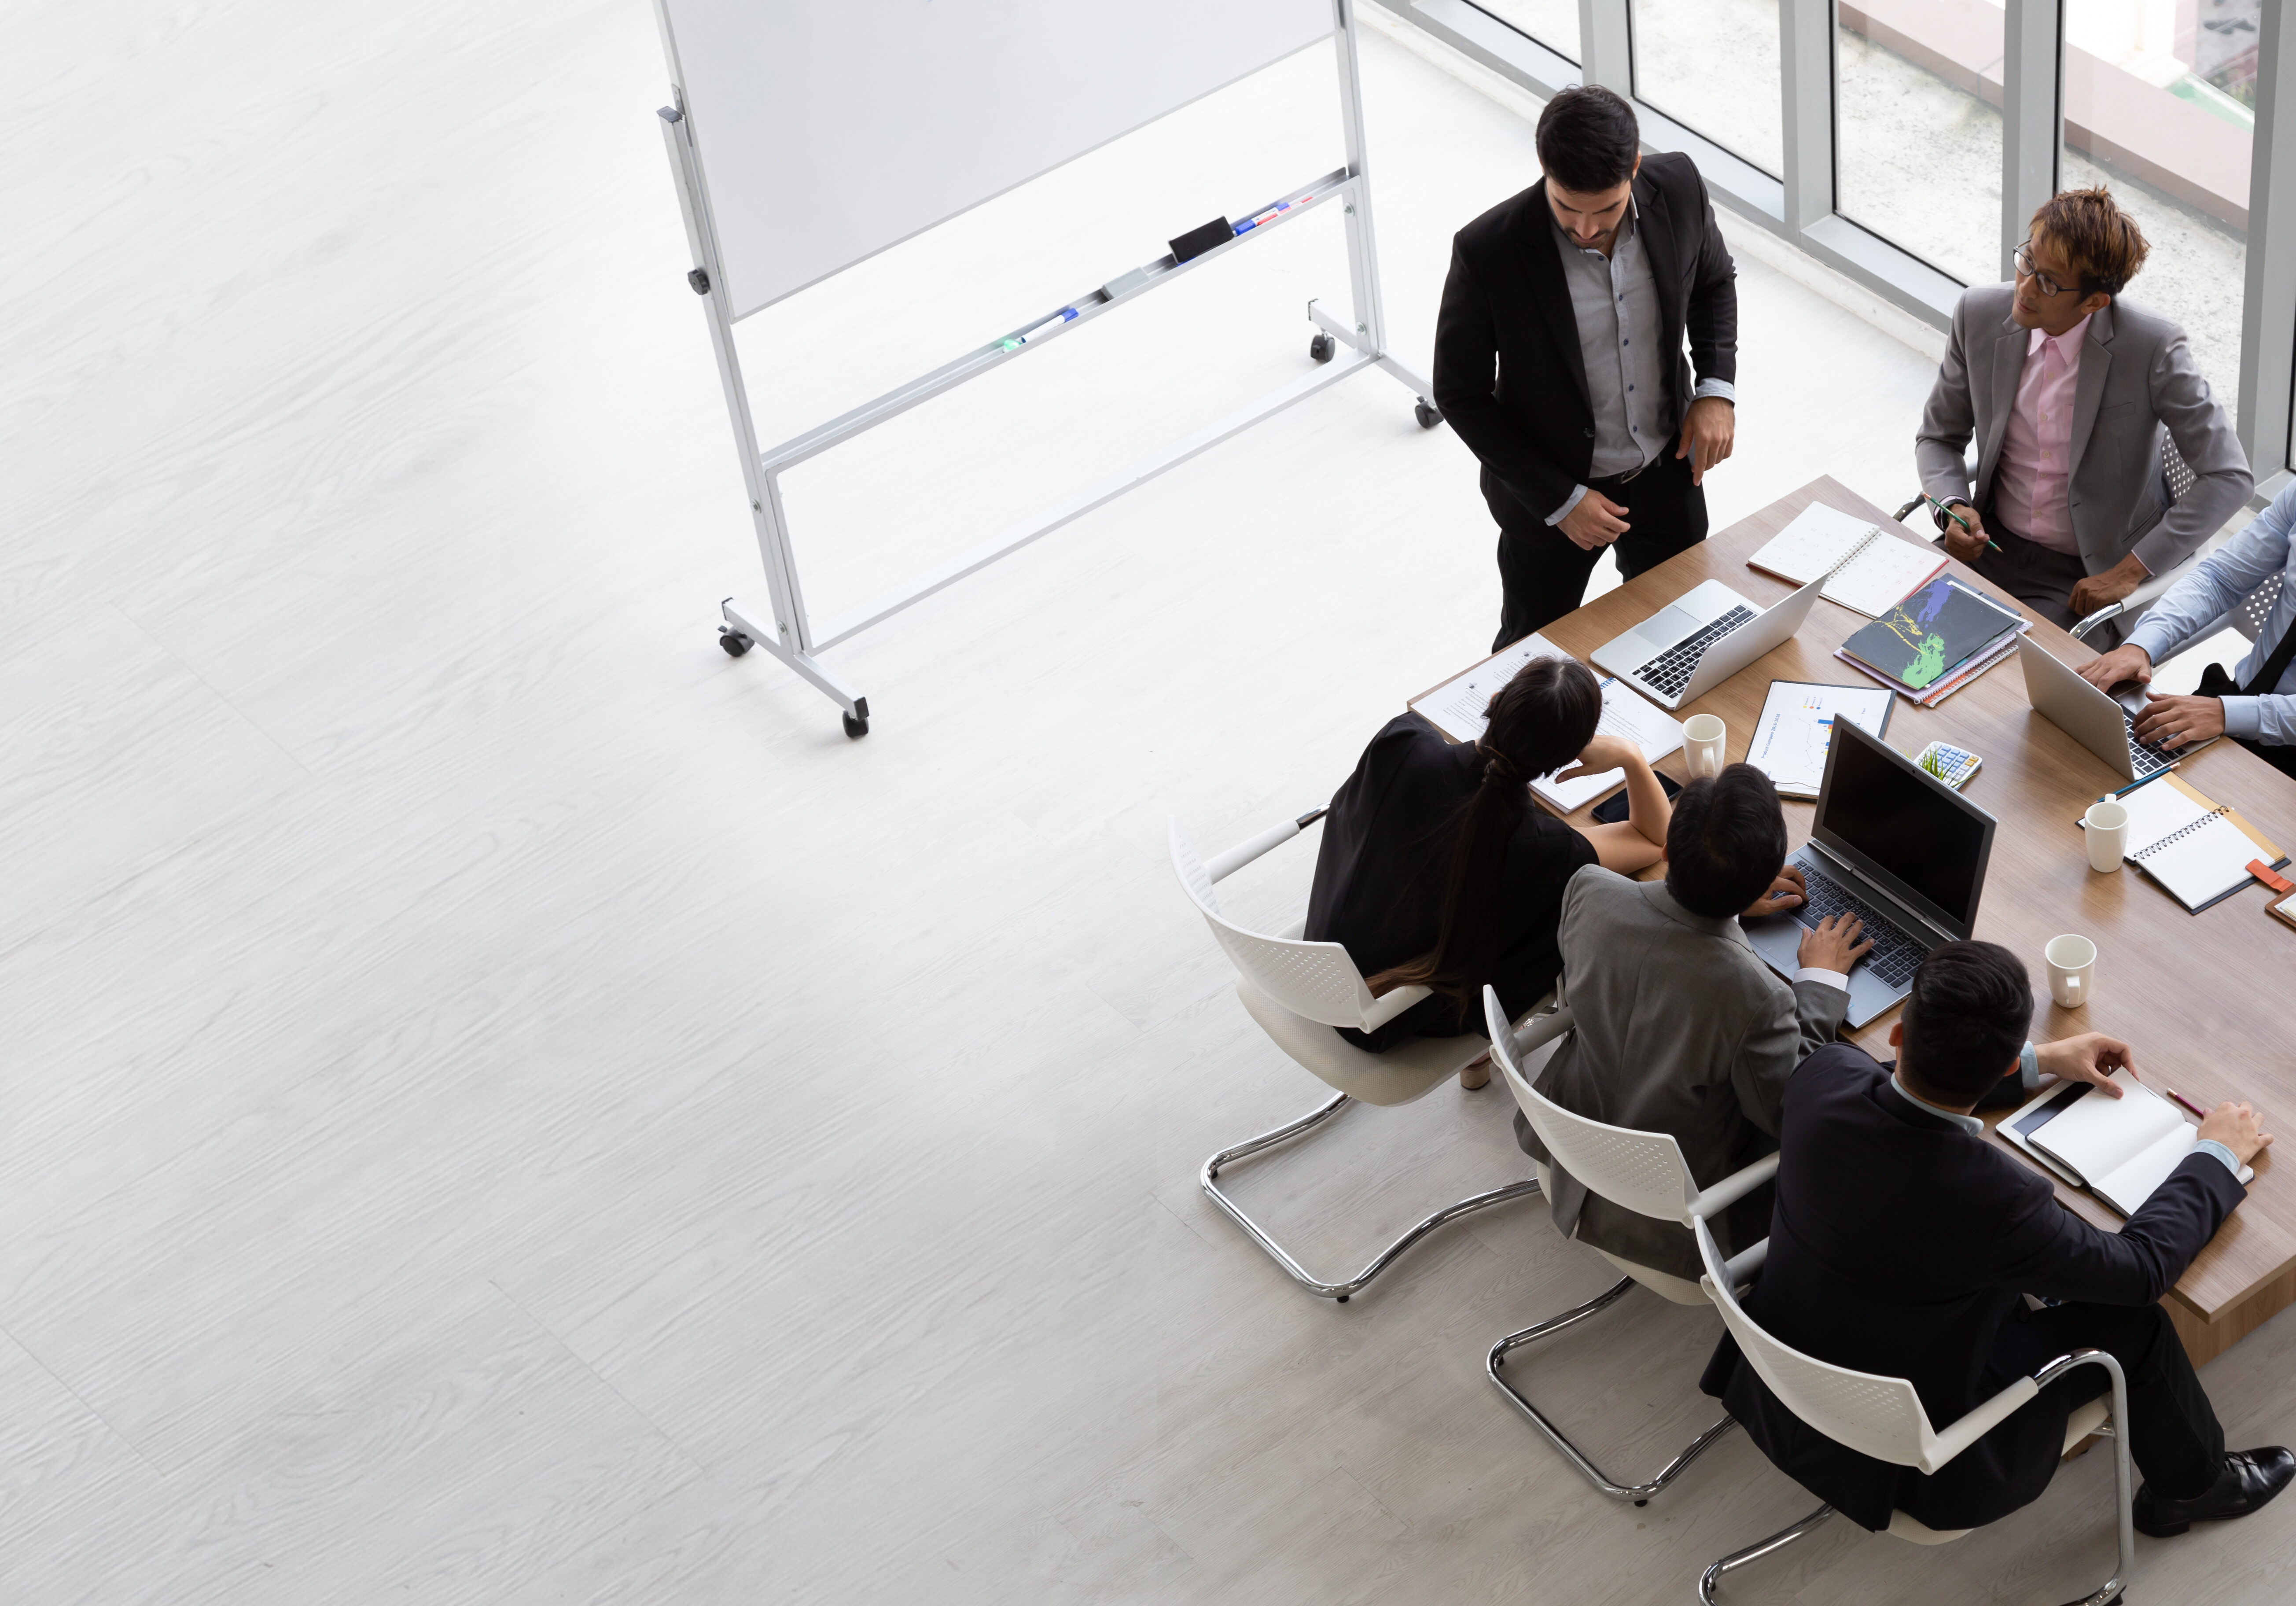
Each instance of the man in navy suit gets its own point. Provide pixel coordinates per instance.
(1903, 1241)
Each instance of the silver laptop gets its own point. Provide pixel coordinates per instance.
(2103, 724)
(1897, 847)
(1697, 642)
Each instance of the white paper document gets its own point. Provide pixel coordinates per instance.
(1792, 737)
(2121, 1147)
(1869, 566)
(1459, 708)
(1624, 714)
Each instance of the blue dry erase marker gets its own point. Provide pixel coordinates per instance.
(1055, 321)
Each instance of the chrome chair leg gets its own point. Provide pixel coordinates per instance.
(1784, 1537)
(1639, 1493)
(1338, 1291)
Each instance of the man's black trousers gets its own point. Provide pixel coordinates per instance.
(1543, 572)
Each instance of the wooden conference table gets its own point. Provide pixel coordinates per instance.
(2202, 1000)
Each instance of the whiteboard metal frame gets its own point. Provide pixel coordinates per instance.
(789, 634)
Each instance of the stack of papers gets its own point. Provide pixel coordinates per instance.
(1867, 567)
(1460, 709)
(1936, 641)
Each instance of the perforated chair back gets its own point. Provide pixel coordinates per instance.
(2176, 475)
(1640, 1171)
(1877, 1416)
(1316, 980)
(2250, 614)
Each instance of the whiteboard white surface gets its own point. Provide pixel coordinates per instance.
(827, 132)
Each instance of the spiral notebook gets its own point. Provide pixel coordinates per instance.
(2197, 849)
(1867, 567)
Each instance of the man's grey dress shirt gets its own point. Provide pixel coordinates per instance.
(1614, 300)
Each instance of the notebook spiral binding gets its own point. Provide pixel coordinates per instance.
(2218, 812)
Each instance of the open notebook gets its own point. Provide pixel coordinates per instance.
(1866, 566)
(2119, 1149)
(2197, 849)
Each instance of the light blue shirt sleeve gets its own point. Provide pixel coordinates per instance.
(2208, 1145)
(2028, 1066)
(1722, 388)
(2214, 588)
(1577, 495)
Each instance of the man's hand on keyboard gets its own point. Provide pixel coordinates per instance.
(2175, 721)
(1834, 945)
(1788, 891)
(2092, 1058)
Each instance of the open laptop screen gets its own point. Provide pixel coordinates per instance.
(1910, 831)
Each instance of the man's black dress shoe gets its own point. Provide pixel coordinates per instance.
(2250, 1479)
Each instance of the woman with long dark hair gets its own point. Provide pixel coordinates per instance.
(1437, 871)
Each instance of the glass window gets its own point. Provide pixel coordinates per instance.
(1553, 23)
(1713, 66)
(2158, 110)
(1918, 86)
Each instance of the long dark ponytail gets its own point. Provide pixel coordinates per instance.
(1539, 721)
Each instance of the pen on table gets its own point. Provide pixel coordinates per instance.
(2186, 1102)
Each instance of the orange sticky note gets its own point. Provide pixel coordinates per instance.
(2271, 877)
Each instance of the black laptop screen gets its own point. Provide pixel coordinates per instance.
(1904, 824)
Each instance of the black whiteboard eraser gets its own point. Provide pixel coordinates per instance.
(1196, 242)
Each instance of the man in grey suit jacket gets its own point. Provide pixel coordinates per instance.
(2067, 389)
(1681, 1027)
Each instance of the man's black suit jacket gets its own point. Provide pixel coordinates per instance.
(1507, 306)
(1900, 1244)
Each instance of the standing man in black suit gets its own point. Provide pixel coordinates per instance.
(1559, 358)
(1903, 1241)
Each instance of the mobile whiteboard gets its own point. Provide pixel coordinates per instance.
(827, 130)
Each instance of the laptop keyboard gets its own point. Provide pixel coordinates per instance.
(1895, 955)
(2146, 760)
(1671, 669)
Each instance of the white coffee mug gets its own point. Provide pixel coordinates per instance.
(2073, 969)
(1705, 745)
(2107, 833)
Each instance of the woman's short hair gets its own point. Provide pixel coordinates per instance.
(1588, 139)
(1966, 1018)
(2102, 242)
(1727, 842)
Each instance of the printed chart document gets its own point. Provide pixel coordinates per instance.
(1458, 707)
(1867, 566)
(2122, 1149)
(1796, 724)
(2197, 849)
(1624, 714)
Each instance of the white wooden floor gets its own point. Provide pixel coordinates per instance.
(505, 1104)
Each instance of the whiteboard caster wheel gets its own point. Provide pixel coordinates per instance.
(856, 728)
(734, 643)
(1323, 348)
(1428, 416)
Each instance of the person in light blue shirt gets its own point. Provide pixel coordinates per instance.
(2255, 702)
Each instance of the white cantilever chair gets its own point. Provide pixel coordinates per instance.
(1299, 991)
(1882, 1417)
(1640, 1171)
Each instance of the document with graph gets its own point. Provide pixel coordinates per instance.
(1796, 724)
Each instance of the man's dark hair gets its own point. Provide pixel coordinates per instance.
(1970, 1011)
(1727, 842)
(1587, 139)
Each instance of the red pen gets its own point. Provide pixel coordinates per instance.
(2186, 1102)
